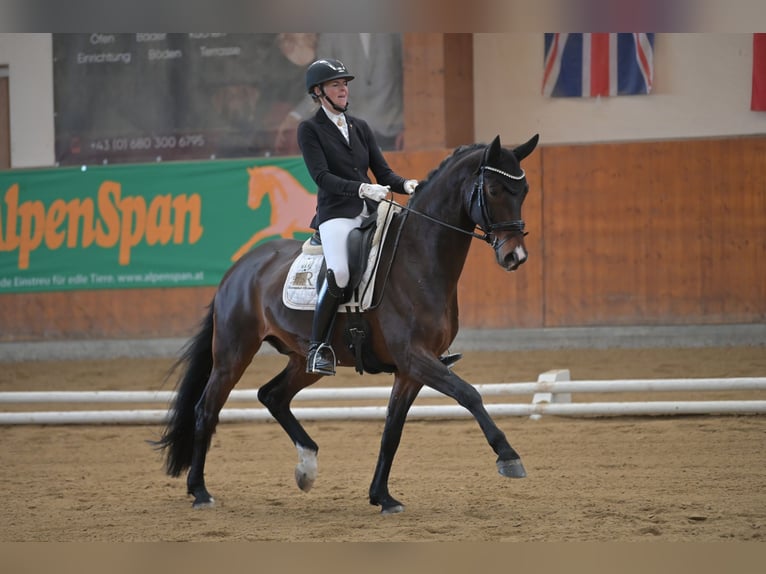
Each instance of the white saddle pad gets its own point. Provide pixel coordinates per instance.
(300, 289)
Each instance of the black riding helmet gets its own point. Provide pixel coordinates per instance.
(325, 70)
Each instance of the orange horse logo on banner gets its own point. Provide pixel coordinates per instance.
(292, 207)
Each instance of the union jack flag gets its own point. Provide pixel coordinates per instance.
(590, 65)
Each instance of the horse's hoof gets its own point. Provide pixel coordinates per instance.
(304, 481)
(306, 469)
(208, 502)
(388, 504)
(511, 468)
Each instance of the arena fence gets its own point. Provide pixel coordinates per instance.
(551, 395)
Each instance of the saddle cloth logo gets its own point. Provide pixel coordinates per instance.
(300, 288)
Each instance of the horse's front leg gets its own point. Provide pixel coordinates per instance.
(402, 396)
(276, 396)
(438, 377)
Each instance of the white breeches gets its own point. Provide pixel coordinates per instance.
(334, 233)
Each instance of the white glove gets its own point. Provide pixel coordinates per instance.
(410, 185)
(373, 191)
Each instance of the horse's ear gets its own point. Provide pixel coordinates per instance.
(492, 153)
(525, 149)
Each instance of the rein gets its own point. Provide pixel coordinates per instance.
(477, 196)
(433, 219)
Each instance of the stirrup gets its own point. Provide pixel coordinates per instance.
(321, 360)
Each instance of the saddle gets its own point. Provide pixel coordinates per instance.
(308, 272)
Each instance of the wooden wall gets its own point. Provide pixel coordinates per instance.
(652, 233)
(438, 90)
(670, 232)
(103, 314)
(655, 233)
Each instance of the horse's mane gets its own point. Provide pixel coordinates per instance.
(458, 153)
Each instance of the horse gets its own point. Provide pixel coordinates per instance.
(292, 207)
(478, 187)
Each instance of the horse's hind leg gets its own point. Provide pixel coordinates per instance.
(226, 373)
(276, 396)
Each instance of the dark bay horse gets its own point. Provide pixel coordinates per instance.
(416, 320)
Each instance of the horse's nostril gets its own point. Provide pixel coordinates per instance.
(515, 258)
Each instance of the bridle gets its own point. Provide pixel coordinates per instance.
(477, 203)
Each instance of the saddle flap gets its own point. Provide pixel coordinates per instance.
(359, 245)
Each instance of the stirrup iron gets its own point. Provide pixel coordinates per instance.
(318, 363)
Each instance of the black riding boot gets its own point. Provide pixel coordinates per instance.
(321, 357)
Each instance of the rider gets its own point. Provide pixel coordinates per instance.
(338, 150)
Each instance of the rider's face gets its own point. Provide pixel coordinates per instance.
(337, 91)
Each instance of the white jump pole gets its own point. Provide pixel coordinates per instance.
(551, 395)
(373, 393)
(416, 412)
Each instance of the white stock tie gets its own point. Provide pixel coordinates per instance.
(343, 127)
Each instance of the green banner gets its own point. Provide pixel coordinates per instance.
(148, 225)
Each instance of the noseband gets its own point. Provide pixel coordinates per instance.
(479, 212)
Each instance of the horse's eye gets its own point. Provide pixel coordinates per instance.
(522, 191)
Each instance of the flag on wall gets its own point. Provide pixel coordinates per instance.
(758, 100)
(590, 65)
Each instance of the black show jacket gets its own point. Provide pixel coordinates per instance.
(339, 168)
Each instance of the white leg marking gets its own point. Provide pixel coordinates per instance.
(306, 469)
(210, 504)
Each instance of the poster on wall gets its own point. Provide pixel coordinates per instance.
(157, 96)
(148, 97)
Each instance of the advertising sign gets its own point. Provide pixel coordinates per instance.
(151, 225)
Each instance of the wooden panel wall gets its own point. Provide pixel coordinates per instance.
(438, 91)
(655, 233)
(107, 314)
(619, 234)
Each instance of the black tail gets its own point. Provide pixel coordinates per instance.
(197, 359)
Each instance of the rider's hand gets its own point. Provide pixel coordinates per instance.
(410, 186)
(373, 191)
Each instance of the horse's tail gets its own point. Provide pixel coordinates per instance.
(197, 361)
